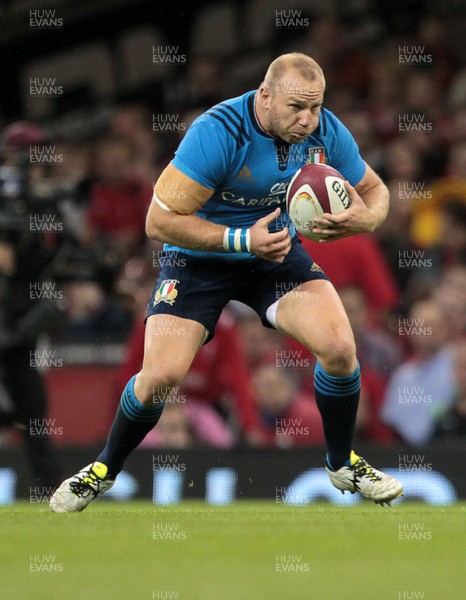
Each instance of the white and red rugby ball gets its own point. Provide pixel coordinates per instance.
(314, 190)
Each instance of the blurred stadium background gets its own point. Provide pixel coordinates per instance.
(96, 96)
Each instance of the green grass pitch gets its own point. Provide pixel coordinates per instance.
(244, 551)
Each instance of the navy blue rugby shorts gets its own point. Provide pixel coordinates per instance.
(199, 288)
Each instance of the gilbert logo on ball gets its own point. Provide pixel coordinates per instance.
(314, 190)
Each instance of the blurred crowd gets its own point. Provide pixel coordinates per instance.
(73, 225)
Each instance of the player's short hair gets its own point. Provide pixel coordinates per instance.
(280, 69)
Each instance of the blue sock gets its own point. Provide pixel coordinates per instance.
(337, 399)
(132, 423)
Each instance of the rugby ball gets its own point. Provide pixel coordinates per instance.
(314, 190)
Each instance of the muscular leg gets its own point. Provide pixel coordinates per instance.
(314, 315)
(170, 346)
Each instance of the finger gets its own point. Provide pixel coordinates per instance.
(353, 194)
(350, 189)
(333, 238)
(327, 232)
(275, 239)
(279, 235)
(332, 228)
(278, 247)
(334, 218)
(327, 227)
(322, 221)
(271, 217)
(329, 219)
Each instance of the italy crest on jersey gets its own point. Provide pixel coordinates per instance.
(167, 292)
(317, 155)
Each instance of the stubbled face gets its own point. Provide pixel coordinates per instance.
(290, 110)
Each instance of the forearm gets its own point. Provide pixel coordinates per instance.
(377, 199)
(171, 219)
(187, 231)
(193, 233)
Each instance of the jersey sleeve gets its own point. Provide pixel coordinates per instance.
(205, 152)
(345, 156)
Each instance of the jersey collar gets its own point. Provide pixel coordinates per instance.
(253, 117)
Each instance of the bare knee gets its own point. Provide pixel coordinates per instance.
(154, 386)
(339, 358)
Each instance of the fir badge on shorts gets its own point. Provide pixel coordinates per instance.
(167, 292)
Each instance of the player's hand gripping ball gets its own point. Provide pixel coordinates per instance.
(314, 190)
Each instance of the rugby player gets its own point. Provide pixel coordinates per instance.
(220, 206)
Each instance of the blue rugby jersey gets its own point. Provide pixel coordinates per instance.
(226, 150)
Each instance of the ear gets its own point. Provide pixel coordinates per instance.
(264, 96)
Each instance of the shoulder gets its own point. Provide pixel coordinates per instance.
(330, 125)
(228, 119)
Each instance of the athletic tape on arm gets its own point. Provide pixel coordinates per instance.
(179, 193)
